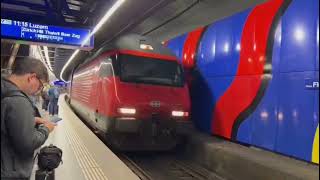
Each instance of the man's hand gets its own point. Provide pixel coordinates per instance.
(40, 120)
(49, 125)
(46, 123)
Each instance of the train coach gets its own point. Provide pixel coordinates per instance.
(133, 92)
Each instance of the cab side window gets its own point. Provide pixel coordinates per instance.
(105, 69)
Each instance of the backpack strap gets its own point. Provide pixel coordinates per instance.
(13, 93)
(20, 93)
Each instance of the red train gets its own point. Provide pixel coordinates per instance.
(134, 93)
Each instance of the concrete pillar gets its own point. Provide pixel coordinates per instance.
(13, 55)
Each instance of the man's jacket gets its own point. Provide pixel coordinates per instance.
(19, 135)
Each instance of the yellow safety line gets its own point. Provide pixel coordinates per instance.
(77, 156)
(88, 165)
(315, 148)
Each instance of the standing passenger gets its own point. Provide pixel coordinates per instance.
(45, 99)
(20, 136)
(53, 100)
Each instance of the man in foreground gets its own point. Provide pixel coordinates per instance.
(21, 131)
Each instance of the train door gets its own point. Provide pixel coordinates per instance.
(70, 84)
(103, 97)
(97, 95)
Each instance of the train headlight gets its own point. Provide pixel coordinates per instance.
(127, 110)
(179, 113)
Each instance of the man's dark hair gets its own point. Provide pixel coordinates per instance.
(25, 65)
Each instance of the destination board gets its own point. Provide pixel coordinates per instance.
(48, 34)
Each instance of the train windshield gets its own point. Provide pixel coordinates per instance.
(150, 71)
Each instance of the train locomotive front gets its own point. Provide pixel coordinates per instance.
(134, 93)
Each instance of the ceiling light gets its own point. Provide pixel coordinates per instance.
(146, 47)
(95, 29)
(46, 55)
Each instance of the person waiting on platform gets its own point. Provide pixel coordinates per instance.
(21, 131)
(45, 98)
(53, 100)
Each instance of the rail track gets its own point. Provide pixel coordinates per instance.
(166, 166)
(161, 166)
(143, 175)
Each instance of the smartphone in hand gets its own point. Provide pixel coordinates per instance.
(55, 119)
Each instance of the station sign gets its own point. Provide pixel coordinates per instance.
(312, 84)
(49, 35)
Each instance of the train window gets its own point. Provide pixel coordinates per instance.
(106, 68)
(150, 71)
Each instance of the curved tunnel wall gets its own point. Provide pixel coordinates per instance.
(256, 76)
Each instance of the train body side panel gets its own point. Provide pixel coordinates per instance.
(94, 85)
(84, 85)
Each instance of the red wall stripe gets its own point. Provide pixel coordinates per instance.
(243, 90)
(190, 48)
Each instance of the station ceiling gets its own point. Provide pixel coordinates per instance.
(160, 19)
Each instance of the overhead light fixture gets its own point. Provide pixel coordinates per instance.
(95, 29)
(46, 55)
(40, 56)
(146, 47)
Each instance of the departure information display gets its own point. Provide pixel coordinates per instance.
(57, 35)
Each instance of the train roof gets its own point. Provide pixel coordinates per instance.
(133, 42)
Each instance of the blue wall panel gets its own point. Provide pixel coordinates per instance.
(295, 115)
(262, 122)
(298, 52)
(316, 104)
(217, 61)
(176, 45)
(287, 116)
(202, 102)
(317, 56)
(260, 128)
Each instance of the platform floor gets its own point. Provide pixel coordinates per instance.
(237, 162)
(85, 157)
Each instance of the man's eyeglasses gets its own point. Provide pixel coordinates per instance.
(41, 84)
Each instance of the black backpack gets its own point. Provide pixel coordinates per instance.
(49, 158)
